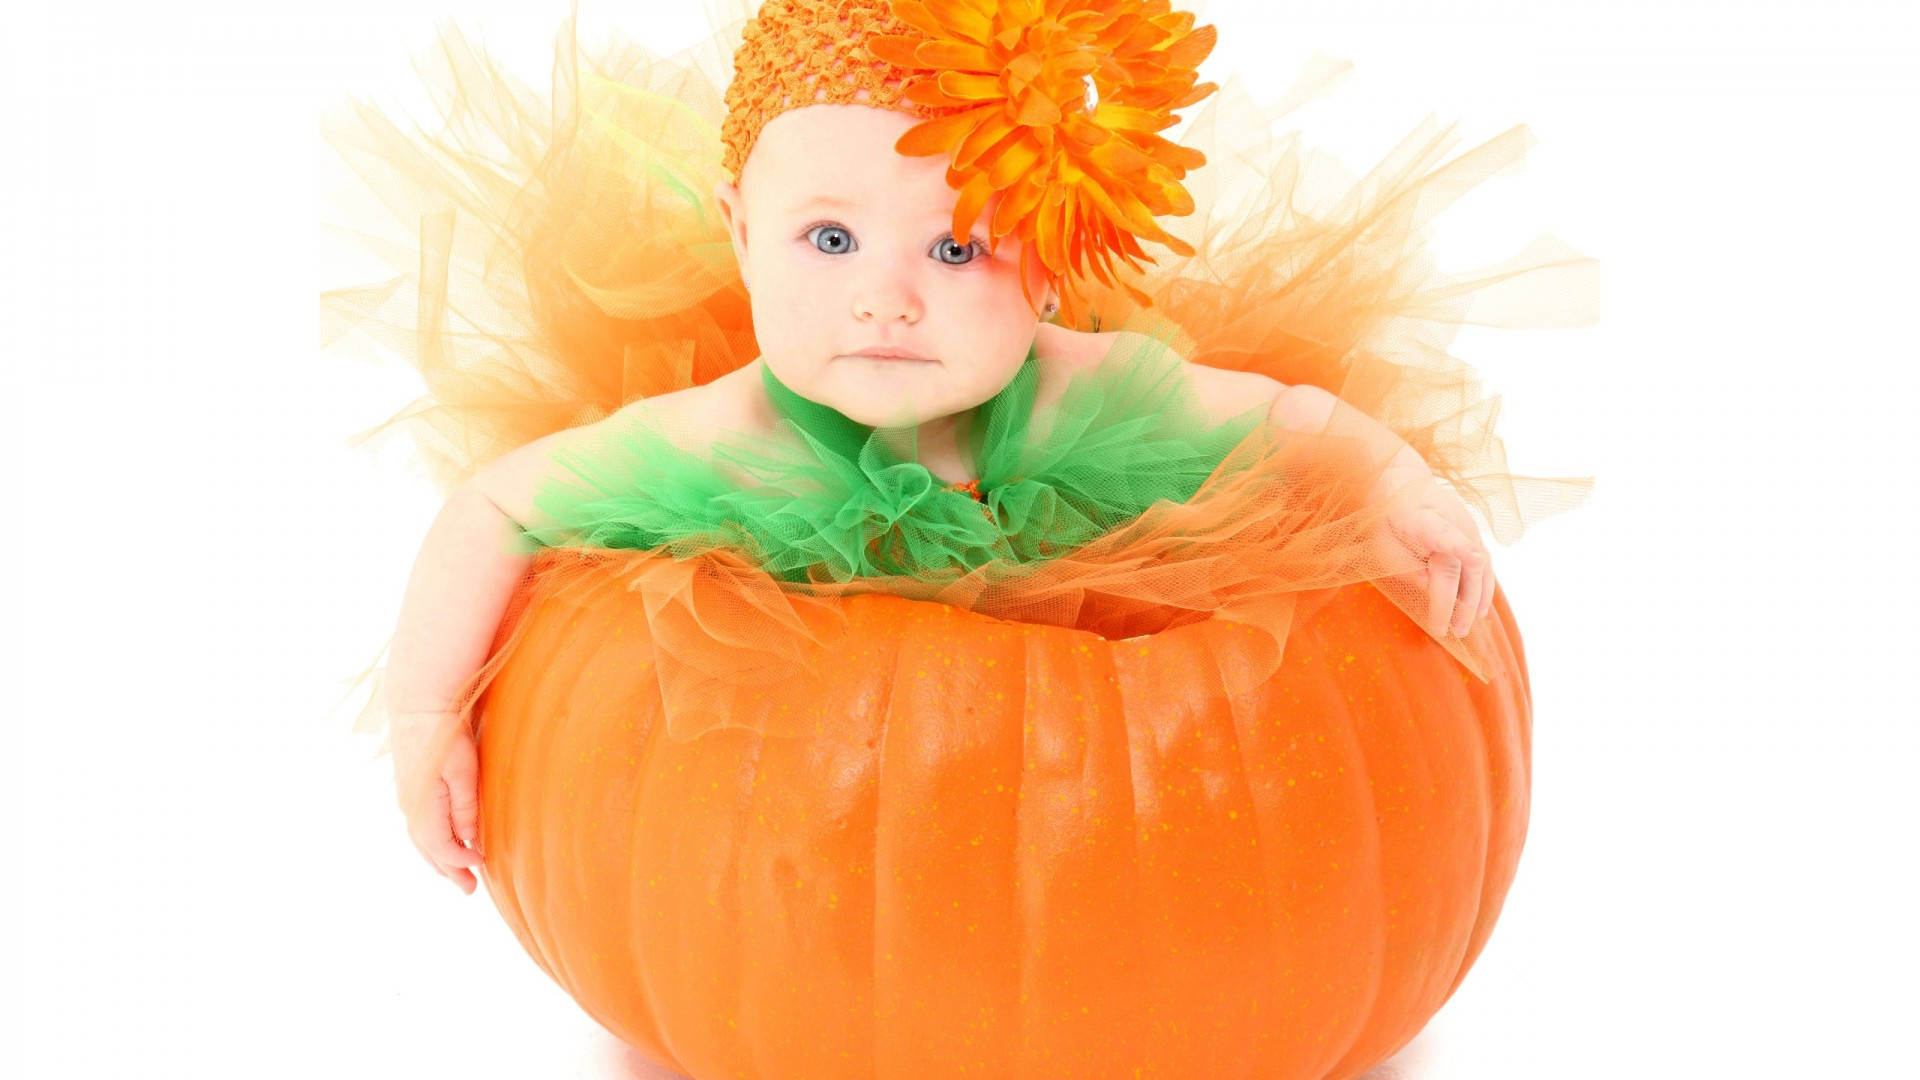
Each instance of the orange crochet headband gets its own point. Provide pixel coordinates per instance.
(1051, 103)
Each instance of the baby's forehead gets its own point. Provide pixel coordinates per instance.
(840, 150)
(786, 194)
(783, 191)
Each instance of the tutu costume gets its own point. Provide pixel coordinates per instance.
(561, 261)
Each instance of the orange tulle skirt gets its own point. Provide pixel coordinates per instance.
(558, 256)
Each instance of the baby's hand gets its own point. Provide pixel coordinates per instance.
(1456, 571)
(436, 769)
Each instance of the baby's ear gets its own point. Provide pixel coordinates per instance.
(733, 214)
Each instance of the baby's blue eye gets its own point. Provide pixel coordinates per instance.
(948, 245)
(837, 241)
(840, 247)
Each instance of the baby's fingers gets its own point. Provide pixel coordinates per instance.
(1473, 571)
(432, 835)
(1443, 589)
(463, 880)
(460, 876)
(1483, 601)
(462, 778)
(441, 841)
(1442, 543)
(1455, 574)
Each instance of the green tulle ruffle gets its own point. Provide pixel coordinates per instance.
(837, 503)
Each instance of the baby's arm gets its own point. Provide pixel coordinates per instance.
(466, 570)
(1224, 393)
(471, 560)
(1304, 407)
(1430, 519)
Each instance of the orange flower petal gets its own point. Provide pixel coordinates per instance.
(1119, 207)
(995, 128)
(961, 56)
(970, 87)
(973, 199)
(1046, 235)
(1026, 263)
(937, 135)
(1138, 38)
(927, 92)
(1179, 200)
(1037, 110)
(1025, 69)
(1084, 133)
(1077, 64)
(1016, 203)
(1193, 48)
(1126, 118)
(1174, 22)
(1014, 160)
(960, 18)
(1196, 96)
(1119, 158)
(1096, 270)
(1085, 255)
(1091, 18)
(1182, 159)
(895, 49)
(1022, 12)
(915, 14)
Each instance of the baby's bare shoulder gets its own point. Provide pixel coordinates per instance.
(1062, 353)
(1223, 393)
(684, 417)
(736, 402)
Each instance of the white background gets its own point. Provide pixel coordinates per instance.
(205, 875)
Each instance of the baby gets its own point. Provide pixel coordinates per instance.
(862, 300)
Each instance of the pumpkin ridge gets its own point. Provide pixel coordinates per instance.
(1269, 888)
(887, 718)
(648, 974)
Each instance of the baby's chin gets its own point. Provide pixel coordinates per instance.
(888, 393)
(893, 412)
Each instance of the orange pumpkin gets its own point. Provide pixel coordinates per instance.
(1028, 851)
(994, 843)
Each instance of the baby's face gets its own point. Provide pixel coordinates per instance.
(848, 246)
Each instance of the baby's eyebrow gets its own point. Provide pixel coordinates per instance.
(835, 202)
(831, 202)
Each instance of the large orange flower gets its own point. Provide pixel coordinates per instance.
(1079, 168)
